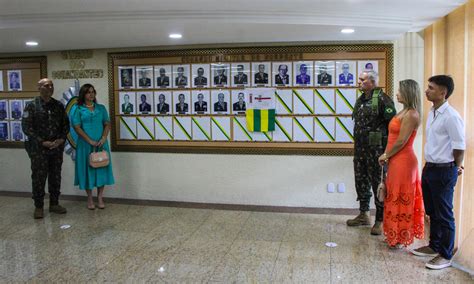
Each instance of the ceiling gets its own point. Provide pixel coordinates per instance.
(91, 24)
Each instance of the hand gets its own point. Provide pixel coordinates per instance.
(101, 141)
(460, 170)
(47, 144)
(56, 143)
(93, 143)
(383, 159)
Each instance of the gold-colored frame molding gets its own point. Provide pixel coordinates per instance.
(17, 63)
(340, 51)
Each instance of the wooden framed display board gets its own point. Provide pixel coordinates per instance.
(195, 100)
(18, 86)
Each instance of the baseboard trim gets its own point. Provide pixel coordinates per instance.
(199, 205)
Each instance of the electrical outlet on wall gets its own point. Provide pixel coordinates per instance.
(331, 187)
(341, 187)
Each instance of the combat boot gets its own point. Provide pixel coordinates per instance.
(57, 209)
(376, 229)
(363, 219)
(38, 213)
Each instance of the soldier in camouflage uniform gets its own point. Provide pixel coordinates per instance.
(373, 111)
(46, 125)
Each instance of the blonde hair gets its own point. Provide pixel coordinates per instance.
(410, 93)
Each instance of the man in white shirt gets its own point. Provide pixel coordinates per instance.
(444, 154)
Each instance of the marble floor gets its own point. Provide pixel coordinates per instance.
(138, 244)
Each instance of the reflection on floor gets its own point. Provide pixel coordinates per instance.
(129, 243)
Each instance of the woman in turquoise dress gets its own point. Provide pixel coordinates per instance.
(92, 125)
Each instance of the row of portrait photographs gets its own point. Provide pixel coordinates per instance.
(244, 74)
(320, 129)
(11, 131)
(318, 101)
(183, 102)
(12, 109)
(13, 81)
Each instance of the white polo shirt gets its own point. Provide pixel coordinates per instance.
(444, 132)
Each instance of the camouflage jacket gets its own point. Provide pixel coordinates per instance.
(44, 121)
(372, 119)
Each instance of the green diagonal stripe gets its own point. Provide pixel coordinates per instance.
(202, 129)
(303, 129)
(283, 103)
(164, 128)
(146, 128)
(345, 100)
(283, 130)
(359, 93)
(243, 128)
(344, 128)
(128, 128)
(303, 101)
(324, 129)
(182, 128)
(266, 135)
(221, 128)
(324, 101)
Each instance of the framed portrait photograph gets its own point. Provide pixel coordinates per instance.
(127, 102)
(260, 71)
(16, 109)
(16, 131)
(282, 74)
(162, 76)
(4, 113)
(346, 73)
(302, 73)
(181, 101)
(324, 73)
(239, 101)
(240, 74)
(181, 76)
(126, 77)
(162, 102)
(200, 75)
(144, 102)
(1, 81)
(220, 74)
(4, 131)
(200, 102)
(144, 77)
(14, 80)
(368, 65)
(220, 100)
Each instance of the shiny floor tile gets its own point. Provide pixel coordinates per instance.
(149, 244)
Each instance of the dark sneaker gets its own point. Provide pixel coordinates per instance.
(424, 251)
(57, 209)
(38, 213)
(438, 262)
(362, 219)
(376, 229)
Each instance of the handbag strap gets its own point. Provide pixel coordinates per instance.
(381, 173)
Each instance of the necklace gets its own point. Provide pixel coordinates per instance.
(91, 105)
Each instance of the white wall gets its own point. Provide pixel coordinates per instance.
(235, 179)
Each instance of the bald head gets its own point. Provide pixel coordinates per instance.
(46, 88)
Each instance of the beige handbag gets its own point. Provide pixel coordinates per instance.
(381, 189)
(99, 159)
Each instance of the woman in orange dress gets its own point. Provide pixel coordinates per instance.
(403, 205)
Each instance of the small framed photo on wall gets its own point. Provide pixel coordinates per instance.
(127, 102)
(181, 101)
(200, 75)
(240, 74)
(302, 75)
(260, 71)
(14, 80)
(220, 74)
(181, 76)
(162, 76)
(144, 102)
(126, 77)
(162, 102)
(324, 73)
(1, 81)
(145, 77)
(4, 132)
(4, 113)
(282, 74)
(346, 73)
(200, 102)
(16, 131)
(16, 109)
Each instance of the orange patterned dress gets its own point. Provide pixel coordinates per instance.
(403, 217)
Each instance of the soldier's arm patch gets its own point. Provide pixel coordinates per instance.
(389, 112)
(26, 114)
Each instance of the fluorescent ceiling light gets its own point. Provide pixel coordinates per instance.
(32, 43)
(176, 35)
(347, 31)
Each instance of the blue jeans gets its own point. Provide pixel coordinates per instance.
(438, 190)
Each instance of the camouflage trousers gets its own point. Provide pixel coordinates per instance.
(367, 177)
(46, 166)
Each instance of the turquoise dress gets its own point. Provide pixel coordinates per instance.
(92, 123)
